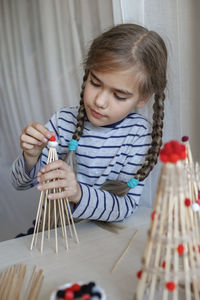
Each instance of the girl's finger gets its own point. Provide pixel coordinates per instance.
(43, 130)
(29, 140)
(27, 146)
(57, 164)
(59, 195)
(32, 132)
(55, 174)
(52, 185)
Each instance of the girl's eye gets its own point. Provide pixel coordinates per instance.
(94, 83)
(118, 97)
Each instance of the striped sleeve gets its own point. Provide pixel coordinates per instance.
(101, 205)
(19, 178)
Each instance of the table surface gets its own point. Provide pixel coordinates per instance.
(90, 260)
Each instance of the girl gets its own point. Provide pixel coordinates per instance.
(110, 150)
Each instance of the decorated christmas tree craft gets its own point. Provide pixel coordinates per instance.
(171, 261)
(193, 179)
(52, 213)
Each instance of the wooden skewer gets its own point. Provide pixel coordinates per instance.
(125, 251)
(12, 283)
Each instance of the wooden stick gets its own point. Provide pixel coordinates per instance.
(55, 223)
(124, 252)
(12, 283)
(68, 219)
(64, 222)
(72, 220)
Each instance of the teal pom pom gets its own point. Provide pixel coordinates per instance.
(133, 182)
(73, 144)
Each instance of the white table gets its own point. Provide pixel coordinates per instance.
(90, 260)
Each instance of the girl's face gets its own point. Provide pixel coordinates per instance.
(111, 96)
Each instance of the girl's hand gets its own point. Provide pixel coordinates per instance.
(34, 138)
(62, 178)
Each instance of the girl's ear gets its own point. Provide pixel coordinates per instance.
(142, 101)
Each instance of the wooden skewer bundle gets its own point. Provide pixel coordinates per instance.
(12, 283)
(52, 213)
(171, 261)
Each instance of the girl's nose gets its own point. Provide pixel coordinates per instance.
(101, 100)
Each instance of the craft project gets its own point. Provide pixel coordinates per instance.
(193, 179)
(171, 261)
(52, 213)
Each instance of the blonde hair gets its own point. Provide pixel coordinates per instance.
(120, 48)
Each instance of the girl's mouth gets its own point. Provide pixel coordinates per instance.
(96, 114)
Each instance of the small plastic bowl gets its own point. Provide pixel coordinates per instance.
(67, 285)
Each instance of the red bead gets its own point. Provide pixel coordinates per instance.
(153, 215)
(52, 138)
(69, 295)
(75, 287)
(170, 286)
(163, 264)
(185, 138)
(187, 202)
(86, 297)
(139, 274)
(180, 249)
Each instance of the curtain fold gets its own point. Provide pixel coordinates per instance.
(43, 43)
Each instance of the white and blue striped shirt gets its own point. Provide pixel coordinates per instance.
(113, 152)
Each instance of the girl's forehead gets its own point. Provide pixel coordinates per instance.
(118, 78)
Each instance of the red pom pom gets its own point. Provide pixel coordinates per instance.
(172, 152)
(163, 158)
(52, 138)
(173, 158)
(170, 286)
(180, 249)
(75, 287)
(69, 295)
(187, 202)
(86, 297)
(139, 274)
(183, 155)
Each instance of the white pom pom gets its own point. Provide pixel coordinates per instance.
(195, 207)
(52, 144)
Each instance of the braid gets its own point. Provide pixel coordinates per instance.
(81, 112)
(71, 156)
(121, 188)
(153, 152)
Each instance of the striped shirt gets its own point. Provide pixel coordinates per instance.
(112, 152)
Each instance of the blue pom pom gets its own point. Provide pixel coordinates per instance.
(73, 144)
(133, 182)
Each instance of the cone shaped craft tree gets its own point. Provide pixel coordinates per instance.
(171, 261)
(193, 177)
(50, 213)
